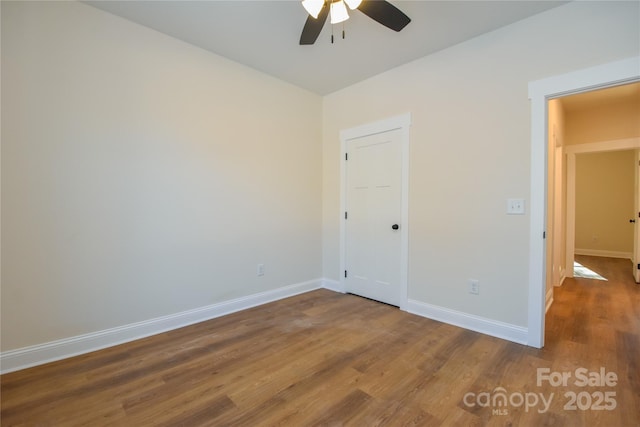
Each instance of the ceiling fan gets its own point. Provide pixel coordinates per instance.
(379, 10)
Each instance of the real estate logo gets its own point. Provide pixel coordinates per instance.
(597, 395)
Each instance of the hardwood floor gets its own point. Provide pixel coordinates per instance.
(324, 358)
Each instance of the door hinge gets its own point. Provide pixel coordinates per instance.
(638, 266)
(345, 215)
(345, 273)
(544, 234)
(346, 156)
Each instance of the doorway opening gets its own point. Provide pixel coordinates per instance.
(540, 92)
(591, 183)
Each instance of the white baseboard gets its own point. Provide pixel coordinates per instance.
(333, 285)
(608, 254)
(26, 357)
(483, 325)
(562, 277)
(548, 299)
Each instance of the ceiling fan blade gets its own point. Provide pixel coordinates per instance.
(313, 26)
(385, 13)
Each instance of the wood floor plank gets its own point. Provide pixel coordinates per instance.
(311, 407)
(394, 412)
(324, 358)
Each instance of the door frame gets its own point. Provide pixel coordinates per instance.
(540, 91)
(636, 226)
(571, 151)
(402, 123)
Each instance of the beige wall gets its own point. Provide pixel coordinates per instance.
(142, 176)
(470, 149)
(604, 202)
(609, 121)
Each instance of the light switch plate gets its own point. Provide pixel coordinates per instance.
(515, 206)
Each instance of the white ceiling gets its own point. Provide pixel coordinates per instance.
(264, 34)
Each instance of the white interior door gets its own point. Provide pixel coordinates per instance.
(636, 244)
(373, 216)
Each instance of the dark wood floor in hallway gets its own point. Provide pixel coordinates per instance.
(324, 358)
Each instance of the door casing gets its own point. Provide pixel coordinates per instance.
(571, 151)
(402, 123)
(611, 74)
(636, 217)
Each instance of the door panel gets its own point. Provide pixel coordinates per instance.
(374, 197)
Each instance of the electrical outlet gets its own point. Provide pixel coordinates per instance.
(474, 287)
(260, 270)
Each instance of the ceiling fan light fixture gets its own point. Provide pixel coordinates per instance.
(380, 11)
(353, 4)
(338, 12)
(313, 7)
